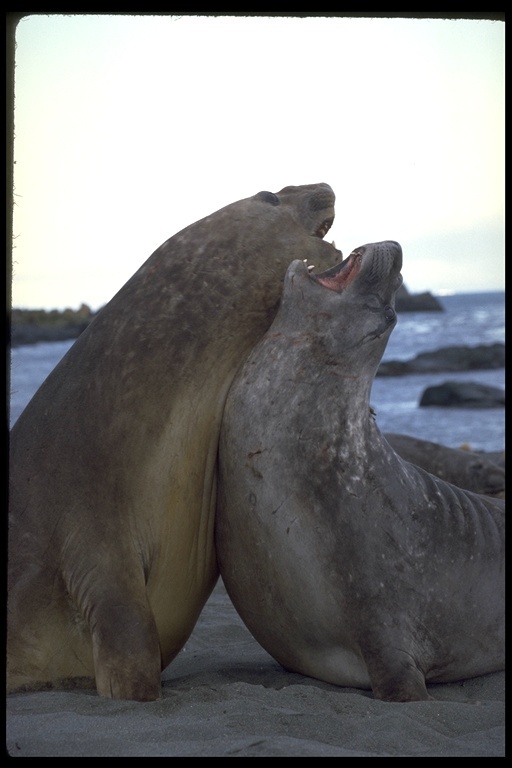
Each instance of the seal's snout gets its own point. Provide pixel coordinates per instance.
(312, 206)
(388, 249)
(373, 263)
(381, 266)
(395, 250)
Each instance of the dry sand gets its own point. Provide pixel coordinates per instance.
(224, 695)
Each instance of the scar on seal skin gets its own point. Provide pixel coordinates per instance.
(346, 562)
(113, 462)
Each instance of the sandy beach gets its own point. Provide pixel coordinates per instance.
(225, 696)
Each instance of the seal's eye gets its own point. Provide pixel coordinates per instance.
(269, 197)
(389, 313)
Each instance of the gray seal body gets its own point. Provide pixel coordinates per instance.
(346, 562)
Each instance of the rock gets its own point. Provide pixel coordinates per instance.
(446, 359)
(416, 302)
(463, 394)
(31, 333)
(29, 326)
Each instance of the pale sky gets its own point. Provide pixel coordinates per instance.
(128, 129)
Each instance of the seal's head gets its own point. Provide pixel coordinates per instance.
(351, 306)
(310, 205)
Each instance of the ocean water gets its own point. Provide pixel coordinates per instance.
(469, 319)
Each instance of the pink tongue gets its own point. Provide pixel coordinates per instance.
(344, 277)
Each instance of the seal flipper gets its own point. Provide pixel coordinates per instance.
(125, 644)
(394, 675)
(126, 652)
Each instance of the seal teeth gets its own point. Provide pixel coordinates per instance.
(310, 267)
(324, 228)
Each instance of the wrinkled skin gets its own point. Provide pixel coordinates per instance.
(347, 563)
(113, 462)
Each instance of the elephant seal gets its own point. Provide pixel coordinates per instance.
(347, 563)
(469, 470)
(113, 462)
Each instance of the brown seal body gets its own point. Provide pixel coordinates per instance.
(113, 462)
(347, 563)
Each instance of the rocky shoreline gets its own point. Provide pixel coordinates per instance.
(448, 360)
(30, 326)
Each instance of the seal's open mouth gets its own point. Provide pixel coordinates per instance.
(338, 277)
(378, 263)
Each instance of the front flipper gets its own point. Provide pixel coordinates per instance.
(394, 674)
(126, 652)
(125, 643)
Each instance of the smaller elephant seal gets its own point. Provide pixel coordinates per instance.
(113, 463)
(469, 470)
(347, 563)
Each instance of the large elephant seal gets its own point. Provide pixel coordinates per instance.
(347, 563)
(113, 462)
